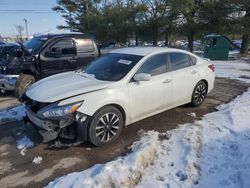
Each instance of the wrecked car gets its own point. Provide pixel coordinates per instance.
(42, 56)
(116, 90)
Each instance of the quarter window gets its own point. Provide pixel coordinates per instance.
(154, 65)
(180, 60)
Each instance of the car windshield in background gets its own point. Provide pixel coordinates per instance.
(113, 66)
(33, 45)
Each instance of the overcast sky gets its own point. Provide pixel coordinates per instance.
(40, 17)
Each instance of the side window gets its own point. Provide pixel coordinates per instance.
(179, 60)
(65, 47)
(84, 45)
(154, 65)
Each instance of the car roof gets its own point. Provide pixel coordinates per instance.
(55, 35)
(144, 51)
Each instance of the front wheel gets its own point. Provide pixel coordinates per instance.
(105, 126)
(199, 94)
(22, 84)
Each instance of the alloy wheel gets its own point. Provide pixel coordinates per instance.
(107, 127)
(200, 94)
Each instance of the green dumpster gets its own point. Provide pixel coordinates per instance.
(216, 47)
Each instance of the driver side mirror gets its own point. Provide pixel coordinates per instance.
(142, 77)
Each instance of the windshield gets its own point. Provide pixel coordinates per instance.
(113, 66)
(33, 45)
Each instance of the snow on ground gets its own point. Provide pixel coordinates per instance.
(13, 113)
(212, 152)
(233, 69)
(23, 144)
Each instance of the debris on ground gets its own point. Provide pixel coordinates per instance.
(37, 160)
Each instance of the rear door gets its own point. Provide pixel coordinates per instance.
(86, 51)
(184, 74)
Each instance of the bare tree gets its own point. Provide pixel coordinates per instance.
(19, 29)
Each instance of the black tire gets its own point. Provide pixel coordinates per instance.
(22, 84)
(99, 123)
(199, 94)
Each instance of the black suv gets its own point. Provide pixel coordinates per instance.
(42, 56)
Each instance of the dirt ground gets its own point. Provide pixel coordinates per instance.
(19, 171)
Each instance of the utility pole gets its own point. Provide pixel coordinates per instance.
(26, 26)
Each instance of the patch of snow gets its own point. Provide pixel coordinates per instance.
(37, 160)
(88, 149)
(12, 114)
(192, 114)
(233, 69)
(212, 152)
(24, 142)
(23, 151)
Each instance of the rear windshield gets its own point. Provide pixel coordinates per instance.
(113, 66)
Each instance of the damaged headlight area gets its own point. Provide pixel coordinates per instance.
(60, 111)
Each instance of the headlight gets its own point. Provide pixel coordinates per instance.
(61, 110)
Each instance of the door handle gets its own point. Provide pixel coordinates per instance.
(72, 60)
(167, 81)
(193, 72)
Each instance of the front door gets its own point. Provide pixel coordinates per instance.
(58, 57)
(147, 97)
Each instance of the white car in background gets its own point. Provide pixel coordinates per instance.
(116, 90)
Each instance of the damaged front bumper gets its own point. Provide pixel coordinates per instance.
(46, 128)
(7, 82)
(65, 127)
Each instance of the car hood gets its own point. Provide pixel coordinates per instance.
(64, 85)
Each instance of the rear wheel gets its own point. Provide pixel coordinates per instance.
(105, 126)
(22, 84)
(199, 94)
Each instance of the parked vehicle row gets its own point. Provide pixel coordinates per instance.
(116, 90)
(42, 56)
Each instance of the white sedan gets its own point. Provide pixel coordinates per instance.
(116, 90)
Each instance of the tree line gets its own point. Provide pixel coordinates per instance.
(154, 20)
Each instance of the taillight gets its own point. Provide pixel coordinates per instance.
(211, 67)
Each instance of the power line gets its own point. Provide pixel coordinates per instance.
(23, 10)
(27, 11)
